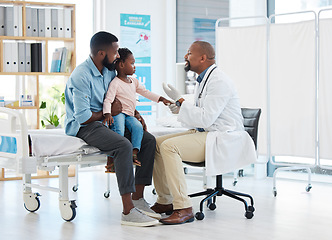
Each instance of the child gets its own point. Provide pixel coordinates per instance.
(124, 88)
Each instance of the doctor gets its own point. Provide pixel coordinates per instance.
(217, 135)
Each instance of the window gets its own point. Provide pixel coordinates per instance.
(196, 21)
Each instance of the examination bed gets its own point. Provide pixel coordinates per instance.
(48, 149)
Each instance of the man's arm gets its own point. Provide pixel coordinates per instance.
(139, 118)
(81, 96)
(96, 116)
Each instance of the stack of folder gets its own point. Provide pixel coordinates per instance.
(48, 22)
(22, 57)
(40, 22)
(11, 20)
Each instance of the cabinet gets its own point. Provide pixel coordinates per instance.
(30, 81)
(31, 21)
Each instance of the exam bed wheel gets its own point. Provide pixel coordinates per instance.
(67, 210)
(75, 188)
(31, 201)
(199, 216)
(308, 188)
(72, 215)
(107, 194)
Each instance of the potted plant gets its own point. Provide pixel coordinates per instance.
(52, 118)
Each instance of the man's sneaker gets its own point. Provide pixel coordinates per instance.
(136, 218)
(143, 206)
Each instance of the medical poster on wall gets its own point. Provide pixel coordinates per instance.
(135, 34)
(143, 74)
(204, 30)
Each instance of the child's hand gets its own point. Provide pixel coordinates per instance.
(108, 119)
(165, 101)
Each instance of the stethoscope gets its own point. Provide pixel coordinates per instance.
(200, 94)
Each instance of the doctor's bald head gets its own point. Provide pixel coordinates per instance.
(200, 56)
(206, 48)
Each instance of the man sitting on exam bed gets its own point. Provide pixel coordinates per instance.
(84, 93)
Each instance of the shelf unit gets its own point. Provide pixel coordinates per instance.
(68, 42)
(45, 40)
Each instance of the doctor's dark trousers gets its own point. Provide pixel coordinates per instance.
(97, 135)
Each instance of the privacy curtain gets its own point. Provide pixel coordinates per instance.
(292, 89)
(325, 88)
(242, 55)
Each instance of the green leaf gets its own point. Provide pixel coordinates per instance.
(43, 124)
(55, 120)
(63, 99)
(42, 105)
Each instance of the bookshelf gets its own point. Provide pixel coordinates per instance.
(23, 35)
(68, 42)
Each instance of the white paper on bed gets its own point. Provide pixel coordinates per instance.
(158, 131)
(53, 142)
(325, 88)
(242, 55)
(169, 121)
(292, 89)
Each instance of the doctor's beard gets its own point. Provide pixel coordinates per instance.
(109, 65)
(187, 66)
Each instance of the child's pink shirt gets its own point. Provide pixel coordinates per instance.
(126, 94)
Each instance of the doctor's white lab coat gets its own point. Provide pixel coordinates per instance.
(228, 146)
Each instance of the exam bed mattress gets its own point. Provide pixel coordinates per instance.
(54, 142)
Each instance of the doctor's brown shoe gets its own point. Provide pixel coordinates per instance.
(179, 216)
(163, 208)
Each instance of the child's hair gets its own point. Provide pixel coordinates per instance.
(124, 54)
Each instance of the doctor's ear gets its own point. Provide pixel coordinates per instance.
(203, 58)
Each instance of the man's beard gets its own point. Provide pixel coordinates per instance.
(187, 66)
(108, 65)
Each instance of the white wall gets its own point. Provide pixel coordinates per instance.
(163, 29)
(246, 8)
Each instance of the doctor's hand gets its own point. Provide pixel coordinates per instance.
(174, 109)
(108, 119)
(171, 92)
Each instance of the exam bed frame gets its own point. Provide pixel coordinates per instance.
(13, 125)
